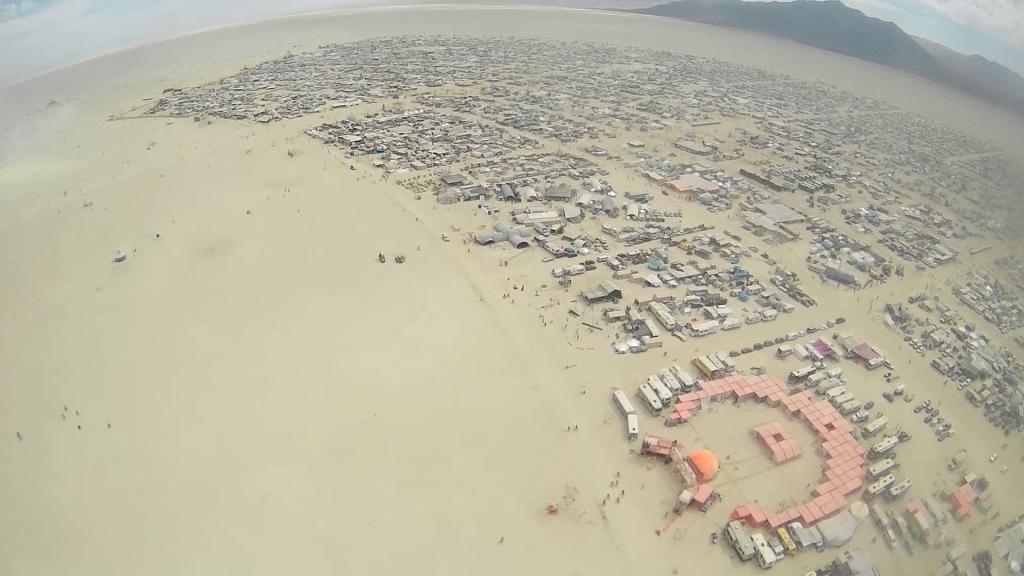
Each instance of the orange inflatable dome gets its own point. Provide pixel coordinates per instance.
(704, 464)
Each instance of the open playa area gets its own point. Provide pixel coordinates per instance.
(505, 290)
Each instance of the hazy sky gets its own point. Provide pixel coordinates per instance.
(45, 34)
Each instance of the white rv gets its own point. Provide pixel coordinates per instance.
(740, 540)
(880, 485)
(664, 394)
(835, 392)
(875, 426)
(688, 382)
(671, 382)
(881, 468)
(883, 447)
(650, 398)
(765, 555)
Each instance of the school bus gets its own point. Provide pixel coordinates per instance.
(786, 539)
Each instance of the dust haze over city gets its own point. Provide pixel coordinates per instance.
(704, 287)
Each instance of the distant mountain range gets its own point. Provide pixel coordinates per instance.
(833, 26)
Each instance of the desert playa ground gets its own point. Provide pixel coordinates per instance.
(252, 392)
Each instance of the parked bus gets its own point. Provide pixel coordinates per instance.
(650, 398)
(882, 467)
(880, 485)
(670, 381)
(875, 426)
(685, 379)
(664, 394)
(765, 555)
(899, 488)
(801, 374)
(883, 447)
(786, 539)
(740, 540)
(625, 406)
(706, 367)
(632, 427)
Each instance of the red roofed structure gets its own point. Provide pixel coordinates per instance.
(781, 445)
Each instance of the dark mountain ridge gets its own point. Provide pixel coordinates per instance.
(833, 26)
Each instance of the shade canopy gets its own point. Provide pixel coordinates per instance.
(704, 463)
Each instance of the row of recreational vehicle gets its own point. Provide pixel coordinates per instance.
(660, 389)
(714, 365)
(769, 549)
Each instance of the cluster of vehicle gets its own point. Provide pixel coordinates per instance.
(772, 546)
(915, 343)
(933, 417)
(788, 337)
(995, 401)
(897, 392)
(995, 398)
(661, 388)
